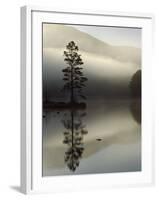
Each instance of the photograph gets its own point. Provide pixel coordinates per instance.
(91, 99)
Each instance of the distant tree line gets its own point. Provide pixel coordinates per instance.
(135, 84)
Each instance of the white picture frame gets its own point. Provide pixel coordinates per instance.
(31, 101)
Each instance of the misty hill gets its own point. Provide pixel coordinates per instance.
(56, 36)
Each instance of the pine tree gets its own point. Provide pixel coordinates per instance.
(73, 75)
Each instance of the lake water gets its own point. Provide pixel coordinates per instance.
(103, 138)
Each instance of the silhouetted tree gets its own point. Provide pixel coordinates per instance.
(73, 75)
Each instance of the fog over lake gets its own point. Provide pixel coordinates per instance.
(113, 139)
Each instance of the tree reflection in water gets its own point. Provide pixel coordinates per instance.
(73, 137)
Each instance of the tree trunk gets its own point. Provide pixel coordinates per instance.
(72, 89)
(72, 132)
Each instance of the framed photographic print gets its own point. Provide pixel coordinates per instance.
(86, 100)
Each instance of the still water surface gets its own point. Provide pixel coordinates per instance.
(103, 138)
